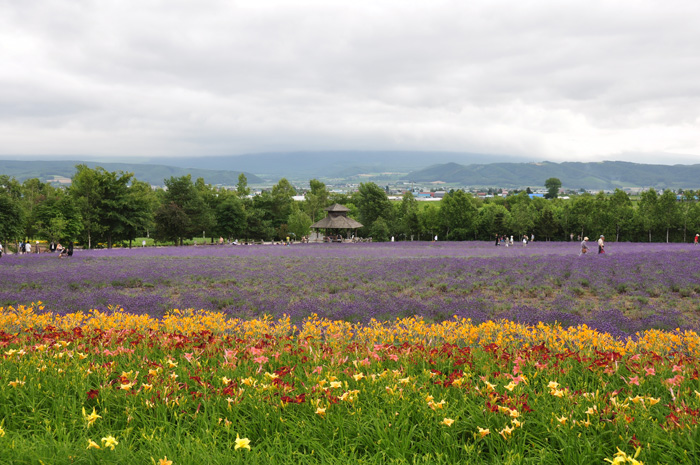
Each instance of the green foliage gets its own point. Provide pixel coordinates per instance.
(552, 185)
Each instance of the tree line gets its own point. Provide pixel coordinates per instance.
(102, 208)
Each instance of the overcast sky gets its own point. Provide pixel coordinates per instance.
(547, 80)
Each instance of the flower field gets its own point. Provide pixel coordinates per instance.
(401, 353)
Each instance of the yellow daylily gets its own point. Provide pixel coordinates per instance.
(242, 443)
(109, 441)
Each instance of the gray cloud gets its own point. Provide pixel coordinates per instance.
(543, 79)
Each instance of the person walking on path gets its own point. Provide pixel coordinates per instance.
(601, 244)
(584, 247)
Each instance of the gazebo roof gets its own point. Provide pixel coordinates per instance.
(337, 222)
(336, 207)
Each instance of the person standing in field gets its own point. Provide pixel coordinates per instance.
(601, 244)
(1, 250)
(524, 240)
(697, 236)
(584, 246)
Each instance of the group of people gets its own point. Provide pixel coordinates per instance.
(504, 240)
(584, 245)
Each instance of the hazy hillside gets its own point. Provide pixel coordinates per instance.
(152, 174)
(334, 164)
(602, 175)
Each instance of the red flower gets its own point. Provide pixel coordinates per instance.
(92, 394)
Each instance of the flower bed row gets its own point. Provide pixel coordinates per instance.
(195, 387)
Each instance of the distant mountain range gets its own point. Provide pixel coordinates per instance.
(152, 174)
(573, 175)
(334, 164)
(456, 169)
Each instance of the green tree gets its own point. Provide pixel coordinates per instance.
(546, 225)
(85, 189)
(685, 210)
(581, 214)
(458, 214)
(193, 212)
(667, 211)
(299, 223)
(379, 231)
(493, 219)
(242, 189)
(621, 212)
(58, 218)
(522, 214)
(11, 217)
(317, 198)
(553, 185)
(647, 210)
(231, 218)
(409, 224)
(281, 207)
(372, 203)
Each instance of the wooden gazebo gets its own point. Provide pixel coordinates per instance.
(337, 219)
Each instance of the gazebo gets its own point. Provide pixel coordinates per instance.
(337, 218)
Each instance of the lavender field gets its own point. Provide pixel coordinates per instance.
(630, 288)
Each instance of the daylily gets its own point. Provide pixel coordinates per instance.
(109, 441)
(165, 461)
(358, 376)
(510, 386)
(92, 444)
(242, 443)
(562, 420)
(483, 432)
(91, 418)
(447, 421)
(320, 411)
(506, 431)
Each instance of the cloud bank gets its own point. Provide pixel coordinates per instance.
(555, 80)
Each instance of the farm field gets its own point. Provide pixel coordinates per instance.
(352, 353)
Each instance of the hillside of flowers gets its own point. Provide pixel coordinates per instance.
(411, 353)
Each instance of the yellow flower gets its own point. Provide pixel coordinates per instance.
(90, 418)
(242, 443)
(336, 384)
(510, 386)
(653, 401)
(147, 387)
(447, 421)
(320, 411)
(16, 383)
(516, 423)
(225, 380)
(405, 380)
(553, 385)
(2, 432)
(109, 441)
(591, 410)
(562, 420)
(505, 432)
(358, 376)
(165, 461)
(483, 432)
(92, 444)
(126, 386)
